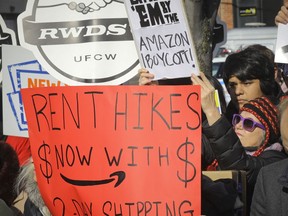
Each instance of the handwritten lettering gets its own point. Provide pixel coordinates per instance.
(159, 42)
(110, 208)
(69, 114)
(135, 156)
(114, 150)
(155, 208)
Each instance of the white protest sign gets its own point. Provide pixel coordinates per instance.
(162, 37)
(80, 42)
(281, 53)
(20, 70)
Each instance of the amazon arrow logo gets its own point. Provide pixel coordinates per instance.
(119, 177)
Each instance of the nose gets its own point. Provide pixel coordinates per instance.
(238, 126)
(239, 89)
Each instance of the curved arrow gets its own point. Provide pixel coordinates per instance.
(120, 178)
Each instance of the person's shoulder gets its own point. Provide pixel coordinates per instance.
(275, 155)
(278, 166)
(6, 210)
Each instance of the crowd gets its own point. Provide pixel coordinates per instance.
(246, 136)
(249, 134)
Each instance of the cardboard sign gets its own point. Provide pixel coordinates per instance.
(117, 150)
(162, 37)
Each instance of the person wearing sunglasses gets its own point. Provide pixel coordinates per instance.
(250, 142)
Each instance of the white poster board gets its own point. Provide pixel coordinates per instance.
(281, 53)
(162, 37)
(20, 69)
(80, 42)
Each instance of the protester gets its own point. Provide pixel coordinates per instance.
(252, 143)
(147, 78)
(26, 181)
(9, 168)
(282, 15)
(271, 189)
(247, 75)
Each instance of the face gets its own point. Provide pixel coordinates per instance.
(284, 129)
(242, 92)
(249, 139)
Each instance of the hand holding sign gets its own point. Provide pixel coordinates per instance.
(146, 78)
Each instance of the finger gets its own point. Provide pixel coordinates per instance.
(279, 19)
(144, 81)
(285, 13)
(195, 80)
(204, 79)
(145, 78)
(207, 82)
(147, 75)
(143, 70)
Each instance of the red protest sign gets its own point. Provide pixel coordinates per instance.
(116, 150)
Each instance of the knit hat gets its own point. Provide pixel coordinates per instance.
(22, 147)
(267, 113)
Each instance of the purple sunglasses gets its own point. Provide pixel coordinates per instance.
(247, 123)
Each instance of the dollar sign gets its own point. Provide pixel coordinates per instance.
(46, 169)
(183, 154)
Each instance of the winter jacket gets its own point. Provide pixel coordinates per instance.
(231, 155)
(271, 191)
(8, 211)
(30, 209)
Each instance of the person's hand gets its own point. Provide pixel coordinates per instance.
(207, 98)
(146, 78)
(282, 16)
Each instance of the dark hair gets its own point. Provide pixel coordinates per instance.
(9, 169)
(252, 63)
(263, 49)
